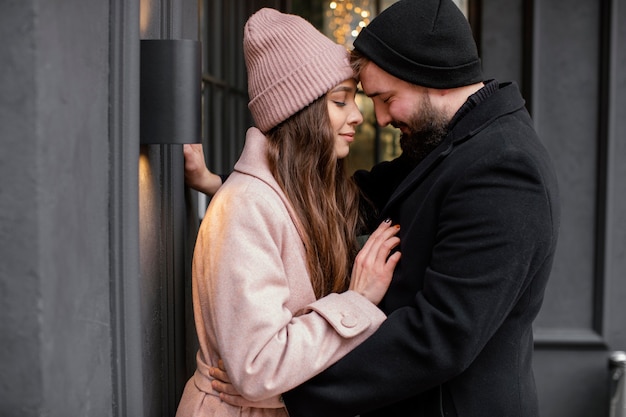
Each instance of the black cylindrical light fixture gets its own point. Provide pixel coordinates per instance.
(170, 91)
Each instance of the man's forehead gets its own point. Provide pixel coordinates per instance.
(373, 80)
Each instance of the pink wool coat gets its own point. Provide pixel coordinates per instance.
(254, 305)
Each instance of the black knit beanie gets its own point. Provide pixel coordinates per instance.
(424, 42)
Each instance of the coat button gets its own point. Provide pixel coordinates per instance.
(348, 321)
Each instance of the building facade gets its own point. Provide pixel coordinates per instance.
(97, 230)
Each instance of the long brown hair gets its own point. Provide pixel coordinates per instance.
(302, 159)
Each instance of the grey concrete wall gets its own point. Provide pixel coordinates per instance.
(55, 344)
(19, 275)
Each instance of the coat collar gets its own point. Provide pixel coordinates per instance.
(253, 159)
(253, 162)
(505, 100)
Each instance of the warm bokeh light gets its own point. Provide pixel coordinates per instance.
(344, 19)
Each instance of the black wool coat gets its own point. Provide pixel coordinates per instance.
(479, 222)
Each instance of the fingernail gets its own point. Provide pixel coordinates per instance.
(387, 220)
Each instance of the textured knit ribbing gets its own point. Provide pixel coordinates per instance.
(290, 64)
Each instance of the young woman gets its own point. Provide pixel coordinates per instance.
(276, 295)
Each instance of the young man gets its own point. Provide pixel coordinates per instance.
(476, 196)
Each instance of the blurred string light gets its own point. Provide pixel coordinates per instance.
(344, 19)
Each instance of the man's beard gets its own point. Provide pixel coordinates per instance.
(427, 129)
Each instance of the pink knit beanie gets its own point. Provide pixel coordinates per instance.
(290, 64)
